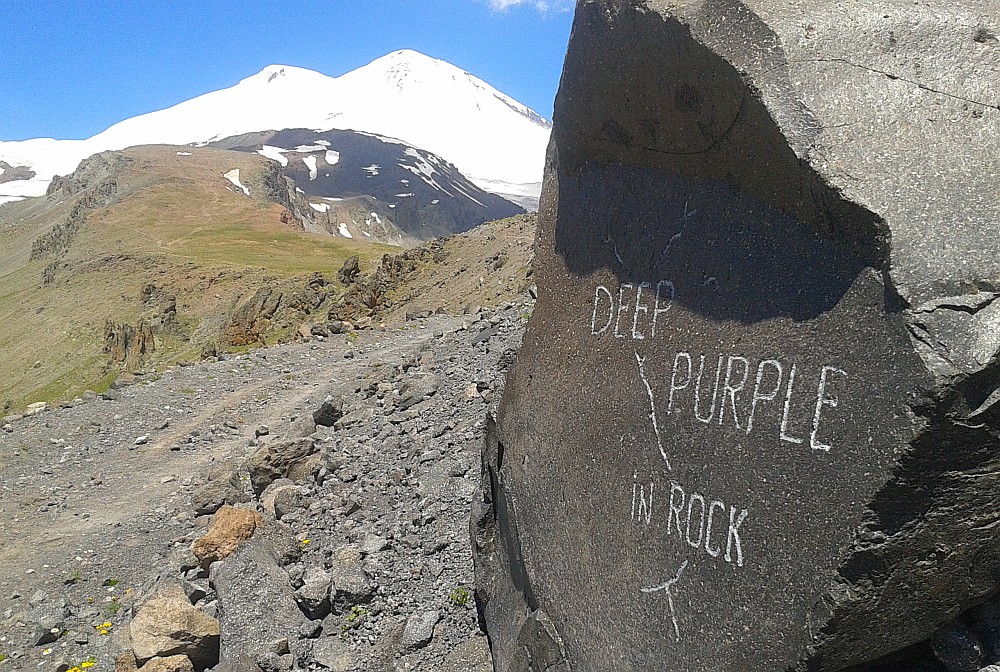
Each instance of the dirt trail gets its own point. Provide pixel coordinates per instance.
(73, 480)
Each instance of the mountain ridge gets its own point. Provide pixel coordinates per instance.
(405, 95)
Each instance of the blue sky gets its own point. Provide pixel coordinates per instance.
(71, 68)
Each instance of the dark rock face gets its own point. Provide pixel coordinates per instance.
(417, 191)
(753, 424)
(9, 173)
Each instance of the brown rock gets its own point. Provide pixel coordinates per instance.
(305, 470)
(169, 626)
(125, 662)
(273, 461)
(229, 528)
(248, 322)
(127, 344)
(168, 664)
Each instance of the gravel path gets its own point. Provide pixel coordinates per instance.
(95, 498)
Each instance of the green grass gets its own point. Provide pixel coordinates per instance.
(183, 231)
(460, 596)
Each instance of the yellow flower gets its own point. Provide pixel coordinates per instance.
(87, 663)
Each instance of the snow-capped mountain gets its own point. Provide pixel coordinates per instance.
(428, 103)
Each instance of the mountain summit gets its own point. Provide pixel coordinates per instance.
(428, 103)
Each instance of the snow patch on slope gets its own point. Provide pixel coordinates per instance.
(274, 153)
(310, 162)
(234, 177)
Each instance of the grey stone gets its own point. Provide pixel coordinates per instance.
(47, 631)
(356, 417)
(753, 414)
(223, 487)
(183, 559)
(351, 584)
(194, 592)
(469, 656)
(256, 603)
(314, 594)
(419, 630)
(288, 500)
(333, 654)
(329, 412)
(311, 630)
(417, 388)
(988, 622)
(958, 648)
(37, 598)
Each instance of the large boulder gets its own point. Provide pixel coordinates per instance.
(168, 626)
(273, 460)
(754, 421)
(257, 609)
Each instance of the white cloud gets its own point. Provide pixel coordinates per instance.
(540, 5)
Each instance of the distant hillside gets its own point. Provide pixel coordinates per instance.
(154, 255)
(359, 181)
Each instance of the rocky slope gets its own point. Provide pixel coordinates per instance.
(352, 458)
(360, 456)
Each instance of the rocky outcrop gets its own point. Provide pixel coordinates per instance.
(754, 418)
(96, 174)
(248, 323)
(369, 295)
(127, 345)
(95, 184)
(349, 271)
(9, 173)
(254, 320)
(57, 241)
